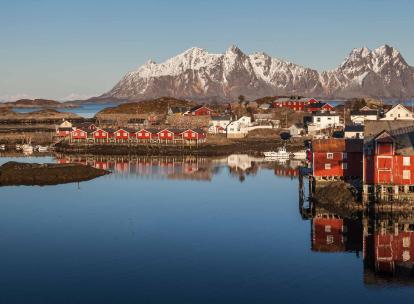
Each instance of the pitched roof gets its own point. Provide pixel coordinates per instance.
(220, 118)
(364, 112)
(337, 145)
(354, 128)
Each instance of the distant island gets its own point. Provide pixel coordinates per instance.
(38, 103)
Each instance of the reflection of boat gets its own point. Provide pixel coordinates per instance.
(2, 147)
(281, 153)
(41, 148)
(299, 154)
(18, 147)
(27, 149)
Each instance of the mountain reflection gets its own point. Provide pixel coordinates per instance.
(183, 167)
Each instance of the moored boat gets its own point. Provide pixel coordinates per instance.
(299, 154)
(42, 149)
(27, 149)
(281, 153)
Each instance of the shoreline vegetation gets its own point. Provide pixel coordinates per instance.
(215, 146)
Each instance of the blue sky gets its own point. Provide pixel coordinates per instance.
(53, 49)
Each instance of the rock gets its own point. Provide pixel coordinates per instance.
(14, 174)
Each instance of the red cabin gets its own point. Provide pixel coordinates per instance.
(200, 111)
(166, 135)
(319, 107)
(100, 134)
(294, 104)
(390, 163)
(193, 135)
(337, 158)
(79, 134)
(144, 134)
(121, 134)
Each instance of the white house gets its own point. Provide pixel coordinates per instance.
(239, 128)
(218, 124)
(296, 130)
(324, 120)
(354, 131)
(398, 112)
(358, 117)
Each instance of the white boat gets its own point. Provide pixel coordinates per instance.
(27, 149)
(42, 149)
(18, 147)
(2, 147)
(299, 154)
(281, 153)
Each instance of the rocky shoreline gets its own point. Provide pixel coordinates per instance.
(26, 174)
(252, 147)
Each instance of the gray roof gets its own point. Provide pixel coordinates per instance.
(218, 118)
(354, 128)
(401, 132)
(364, 113)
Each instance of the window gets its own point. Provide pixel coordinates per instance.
(345, 155)
(147, 135)
(406, 242)
(345, 166)
(329, 118)
(406, 161)
(406, 174)
(318, 119)
(329, 155)
(139, 134)
(328, 228)
(329, 239)
(327, 166)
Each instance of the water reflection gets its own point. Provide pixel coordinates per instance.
(385, 239)
(183, 167)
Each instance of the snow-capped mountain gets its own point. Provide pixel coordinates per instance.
(197, 74)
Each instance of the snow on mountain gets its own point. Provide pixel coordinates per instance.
(197, 74)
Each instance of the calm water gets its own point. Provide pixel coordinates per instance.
(85, 110)
(172, 230)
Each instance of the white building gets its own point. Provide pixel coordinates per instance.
(296, 130)
(398, 112)
(218, 124)
(354, 131)
(324, 120)
(239, 128)
(358, 117)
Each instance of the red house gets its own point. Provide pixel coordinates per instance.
(200, 111)
(337, 158)
(193, 135)
(121, 135)
(145, 134)
(79, 134)
(389, 160)
(166, 135)
(100, 134)
(319, 107)
(294, 104)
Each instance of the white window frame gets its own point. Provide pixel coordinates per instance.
(329, 155)
(345, 166)
(328, 166)
(406, 161)
(406, 174)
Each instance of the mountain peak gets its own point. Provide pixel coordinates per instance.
(199, 75)
(234, 49)
(386, 50)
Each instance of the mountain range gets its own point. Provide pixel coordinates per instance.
(202, 76)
